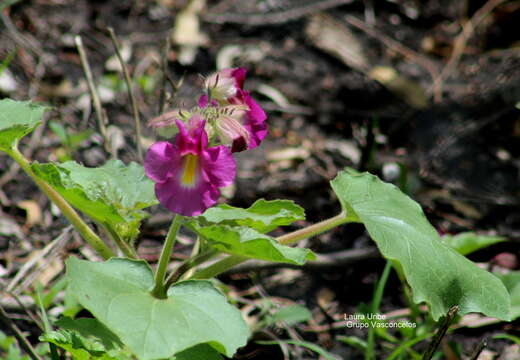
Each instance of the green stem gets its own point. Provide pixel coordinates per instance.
(189, 264)
(313, 230)
(159, 291)
(86, 232)
(287, 239)
(125, 247)
(376, 302)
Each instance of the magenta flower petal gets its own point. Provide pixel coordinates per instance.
(219, 165)
(254, 122)
(160, 159)
(240, 75)
(256, 114)
(203, 101)
(258, 132)
(188, 175)
(186, 201)
(192, 139)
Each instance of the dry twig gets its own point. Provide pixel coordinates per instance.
(100, 113)
(323, 261)
(446, 322)
(460, 45)
(164, 67)
(52, 248)
(24, 344)
(131, 95)
(396, 46)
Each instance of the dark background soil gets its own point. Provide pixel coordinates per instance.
(458, 153)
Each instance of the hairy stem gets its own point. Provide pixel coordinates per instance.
(86, 232)
(159, 291)
(287, 239)
(125, 247)
(313, 230)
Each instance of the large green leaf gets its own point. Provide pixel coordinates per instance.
(437, 274)
(17, 119)
(468, 242)
(244, 241)
(113, 194)
(117, 293)
(262, 216)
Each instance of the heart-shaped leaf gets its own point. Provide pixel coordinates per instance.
(113, 194)
(262, 216)
(244, 241)
(117, 293)
(437, 274)
(17, 119)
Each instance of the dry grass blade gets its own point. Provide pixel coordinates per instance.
(24, 344)
(460, 45)
(131, 95)
(25, 274)
(100, 113)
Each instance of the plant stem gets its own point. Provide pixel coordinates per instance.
(159, 291)
(376, 302)
(313, 230)
(125, 247)
(189, 264)
(287, 239)
(86, 232)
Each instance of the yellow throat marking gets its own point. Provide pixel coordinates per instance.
(189, 175)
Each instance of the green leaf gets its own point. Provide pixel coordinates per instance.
(244, 241)
(262, 216)
(117, 293)
(291, 315)
(76, 345)
(60, 131)
(437, 274)
(512, 284)
(6, 3)
(308, 345)
(199, 352)
(468, 242)
(510, 337)
(17, 119)
(113, 194)
(354, 341)
(91, 328)
(75, 139)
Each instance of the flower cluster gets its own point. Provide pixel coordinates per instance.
(189, 171)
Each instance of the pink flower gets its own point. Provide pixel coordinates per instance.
(188, 174)
(241, 129)
(225, 83)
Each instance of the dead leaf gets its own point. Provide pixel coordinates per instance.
(33, 210)
(408, 90)
(186, 32)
